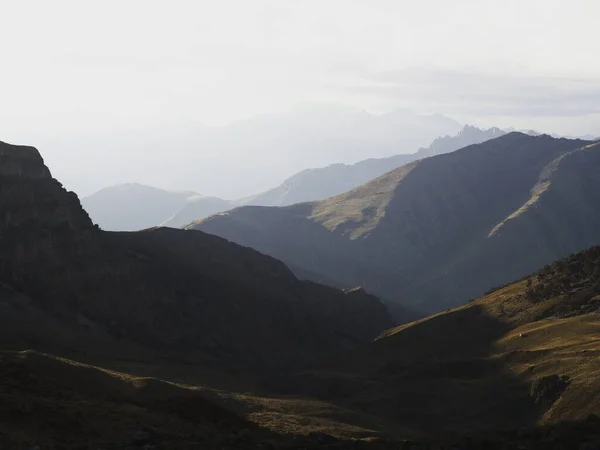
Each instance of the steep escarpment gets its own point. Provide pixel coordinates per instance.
(44, 230)
(169, 290)
(30, 196)
(441, 230)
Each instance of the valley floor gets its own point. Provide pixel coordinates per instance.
(52, 402)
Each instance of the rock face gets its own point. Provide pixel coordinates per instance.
(171, 289)
(39, 224)
(546, 390)
(29, 193)
(441, 230)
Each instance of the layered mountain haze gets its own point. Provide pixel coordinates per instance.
(198, 207)
(440, 230)
(178, 339)
(132, 207)
(318, 184)
(244, 157)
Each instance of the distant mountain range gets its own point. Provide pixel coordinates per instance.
(318, 184)
(131, 207)
(244, 157)
(440, 230)
(135, 207)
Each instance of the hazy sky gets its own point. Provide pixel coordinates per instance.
(72, 71)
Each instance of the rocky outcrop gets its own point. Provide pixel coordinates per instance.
(30, 197)
(39, 220)
(546, 390)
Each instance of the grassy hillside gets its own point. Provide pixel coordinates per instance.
(525, 353)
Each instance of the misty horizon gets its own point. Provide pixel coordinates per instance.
(120, 93)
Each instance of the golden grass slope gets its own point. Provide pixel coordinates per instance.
(475, 367)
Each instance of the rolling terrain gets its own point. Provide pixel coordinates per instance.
(439, 231)
(176, 339)
(522, 358)
(525, 353)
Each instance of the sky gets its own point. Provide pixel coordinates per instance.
(76, 76)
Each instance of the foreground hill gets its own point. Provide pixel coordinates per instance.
(176, 290)
(514, 369)
(441, 230)
(526, 353)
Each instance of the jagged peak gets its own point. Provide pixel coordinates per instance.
(469, 128)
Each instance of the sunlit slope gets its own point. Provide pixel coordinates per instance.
(527, 353)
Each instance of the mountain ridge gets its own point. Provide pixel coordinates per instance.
(307, 185)
(437, 222)
(178, 339)
(164, 287)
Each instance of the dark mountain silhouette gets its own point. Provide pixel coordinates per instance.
(441, 230)
(170, 288)
(135, 207)
(177, 339)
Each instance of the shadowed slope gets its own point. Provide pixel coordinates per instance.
(45, 400)
(173, 290)
(524, 354)
(437, 232)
